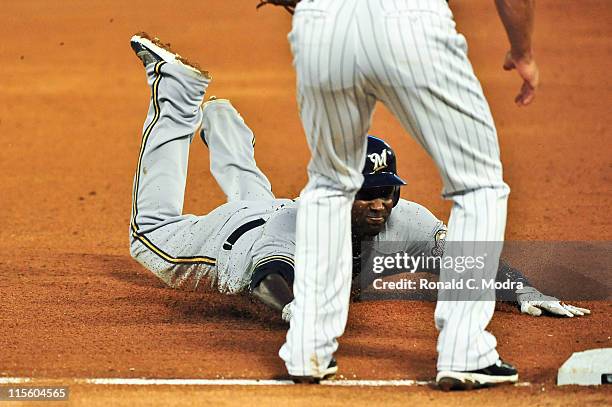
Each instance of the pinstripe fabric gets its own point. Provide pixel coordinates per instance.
(406, 54)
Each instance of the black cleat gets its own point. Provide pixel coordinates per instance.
(328, 373)
(143, 53)
(498, 373)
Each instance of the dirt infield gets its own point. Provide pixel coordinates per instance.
(75, 305)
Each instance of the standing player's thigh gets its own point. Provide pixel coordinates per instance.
(334, 109)
(336, 124)
(432, 89)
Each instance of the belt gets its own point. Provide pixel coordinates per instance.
(241, 230)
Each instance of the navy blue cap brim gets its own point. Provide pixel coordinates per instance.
(381, 179)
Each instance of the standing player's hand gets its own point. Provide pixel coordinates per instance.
(529, 72)
(532, 302)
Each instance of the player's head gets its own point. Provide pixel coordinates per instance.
(380, 190)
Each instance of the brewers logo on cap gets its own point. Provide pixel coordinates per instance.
(379, 161)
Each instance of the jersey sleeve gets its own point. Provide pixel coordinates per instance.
(415, 230)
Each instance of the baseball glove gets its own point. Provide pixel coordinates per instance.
(288, 5)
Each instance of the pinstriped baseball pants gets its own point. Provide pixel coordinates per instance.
(408, 55)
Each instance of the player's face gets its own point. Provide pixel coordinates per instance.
(371, 209)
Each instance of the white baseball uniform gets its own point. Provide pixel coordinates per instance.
(407, 54)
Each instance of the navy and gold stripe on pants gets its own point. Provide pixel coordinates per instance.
(134, 225)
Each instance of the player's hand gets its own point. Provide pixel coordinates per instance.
(529, 72)
(287, 312)
(532, 302)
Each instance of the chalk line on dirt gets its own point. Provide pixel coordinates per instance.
(119, 381)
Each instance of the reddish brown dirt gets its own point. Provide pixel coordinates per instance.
(73, 303)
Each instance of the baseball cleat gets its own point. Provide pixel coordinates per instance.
(151, 50)
(326, 374)
(498, 373)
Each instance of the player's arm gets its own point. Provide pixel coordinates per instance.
(271, 284)
(274, 291)
(518, 19)
(530, 300)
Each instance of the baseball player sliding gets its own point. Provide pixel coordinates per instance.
(248, 243)
(408, 55)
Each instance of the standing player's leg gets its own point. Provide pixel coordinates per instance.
(336, 116)
(428, 83)
(232, 154)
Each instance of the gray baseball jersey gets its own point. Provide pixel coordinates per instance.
(220, 250)
(408, 55)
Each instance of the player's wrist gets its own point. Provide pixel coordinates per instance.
(522, 56)
(526, 290)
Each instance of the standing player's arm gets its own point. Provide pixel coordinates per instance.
(518, 17)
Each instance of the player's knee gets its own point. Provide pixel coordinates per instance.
(328, 185)
(134, 252)
(218, 105)
(506, 189)
(498, 190)
(501, 190)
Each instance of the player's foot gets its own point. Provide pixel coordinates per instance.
(151, 50)
(498, 373)
(328, 373)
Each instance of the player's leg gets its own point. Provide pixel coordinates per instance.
(336, 117)
(232, 156)
(429, 84)
(171, 245)
(174, 115)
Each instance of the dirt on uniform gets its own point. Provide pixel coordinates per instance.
(74, 304)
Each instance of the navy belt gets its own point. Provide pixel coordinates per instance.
(237, 234)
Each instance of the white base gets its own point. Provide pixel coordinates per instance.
(586, 368)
